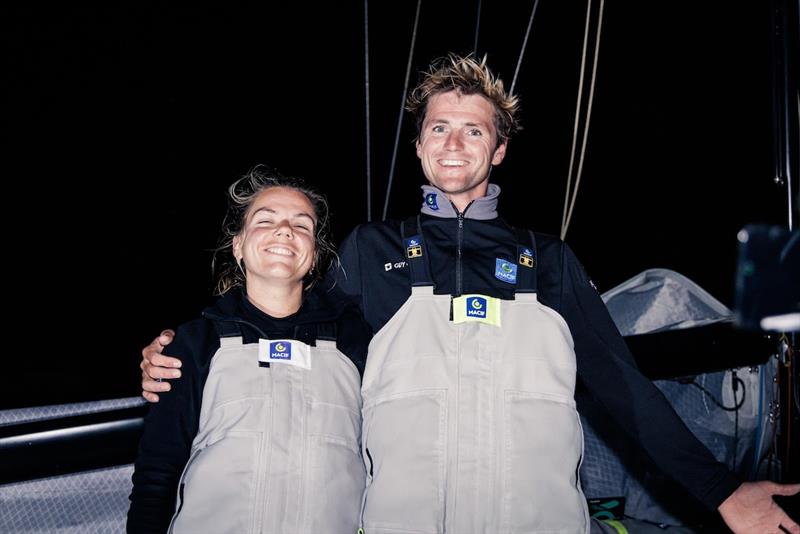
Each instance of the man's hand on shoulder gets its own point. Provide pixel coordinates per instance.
(156, 367)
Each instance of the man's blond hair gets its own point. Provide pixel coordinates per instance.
(466, 76)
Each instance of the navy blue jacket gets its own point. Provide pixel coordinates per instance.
(463, 251)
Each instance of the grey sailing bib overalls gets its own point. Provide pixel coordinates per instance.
(471, 427)
(277, 448)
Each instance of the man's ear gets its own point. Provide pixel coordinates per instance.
(499, 153)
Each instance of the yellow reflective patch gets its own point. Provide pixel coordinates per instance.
(479, 308)
(616, 525)
(414, 251)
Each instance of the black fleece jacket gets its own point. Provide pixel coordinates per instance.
(172, 423)
(463, 249)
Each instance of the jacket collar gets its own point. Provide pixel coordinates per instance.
(319, 305)
(435, 203)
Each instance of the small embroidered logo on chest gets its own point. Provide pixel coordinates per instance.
(505, 271)
(526, 257)
(280, 350)
(388, 266)
(413, 247)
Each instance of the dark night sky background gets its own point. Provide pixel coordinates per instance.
(124, 125)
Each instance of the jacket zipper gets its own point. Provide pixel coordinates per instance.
(459, 243)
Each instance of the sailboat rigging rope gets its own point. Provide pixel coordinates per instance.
(569, 203)
(477, 29)
(524, 45)
(402, 111)
(366, 112)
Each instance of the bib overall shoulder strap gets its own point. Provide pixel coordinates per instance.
(527, 261)
(416, 252)
(230, 332)
(326, 331)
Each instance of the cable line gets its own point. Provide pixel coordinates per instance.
(524, 45)
(402, 110)
(569, 204)
(366, 111)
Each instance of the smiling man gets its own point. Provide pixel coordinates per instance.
(458, 145)
(481, 331)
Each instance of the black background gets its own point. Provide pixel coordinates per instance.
(124, 124)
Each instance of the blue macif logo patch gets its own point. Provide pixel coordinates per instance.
(280, 350)
(476, 307)
(505, 271)
(430, 201)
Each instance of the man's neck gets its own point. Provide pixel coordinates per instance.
(465, 198)
(462, 201)
(437, 203)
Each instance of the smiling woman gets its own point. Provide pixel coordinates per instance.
(271, 378)
(307, 208)
(275, 249)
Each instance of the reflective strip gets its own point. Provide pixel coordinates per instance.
(616, 525)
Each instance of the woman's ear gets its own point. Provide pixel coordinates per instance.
(237, 248)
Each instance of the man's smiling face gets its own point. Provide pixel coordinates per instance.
(458, 145)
